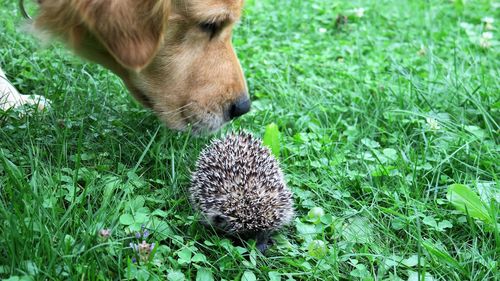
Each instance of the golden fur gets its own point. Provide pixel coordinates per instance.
(162, 51)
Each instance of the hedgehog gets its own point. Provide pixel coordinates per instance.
(239, 189)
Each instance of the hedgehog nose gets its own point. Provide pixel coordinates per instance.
(239, 107)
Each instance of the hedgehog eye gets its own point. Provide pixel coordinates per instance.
(219, 220)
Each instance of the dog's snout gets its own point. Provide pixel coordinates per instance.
(239, 107)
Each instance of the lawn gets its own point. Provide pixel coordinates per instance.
(384, 108)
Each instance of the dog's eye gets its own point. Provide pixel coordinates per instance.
(210, 28)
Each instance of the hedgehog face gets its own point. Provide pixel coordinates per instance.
(218, 221)
(221, 222)
(235, 230)
(247, 210)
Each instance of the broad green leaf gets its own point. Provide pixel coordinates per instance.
(160, 229)
(392, 261)
(412, 261)
(488, 191)
(135, 227)
(175, 276)
(361, 272)
(272, 139)
(199, 257)
(370, 143)
(476, 131)
(390, 153)
(306, 231)
(358, 230)
(248, 276)
(141, 218)
(184, 256)
(111, 183)
(430, 221)
(317, 249)
(137, 203)
(204, 274)
(315, 214)
(159, 213)
(31, 267)
(142, 274)
(126, 219)
(382, 170)
(424, 276)
(274, 276)
(467, 201)
(442, 225)
(17, 278)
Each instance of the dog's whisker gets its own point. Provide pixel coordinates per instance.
(175, 111)
(187, 118)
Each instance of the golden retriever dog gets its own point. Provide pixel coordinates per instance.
(175, 56)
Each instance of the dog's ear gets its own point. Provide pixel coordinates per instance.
(131, 30)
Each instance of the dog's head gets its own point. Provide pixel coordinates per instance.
(175, 57)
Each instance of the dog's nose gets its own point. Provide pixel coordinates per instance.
(239, 107)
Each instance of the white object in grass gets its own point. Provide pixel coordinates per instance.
(11, 98)
(485, 39)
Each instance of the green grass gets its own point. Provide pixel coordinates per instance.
(378, 118)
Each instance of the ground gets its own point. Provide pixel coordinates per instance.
(382, 106)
